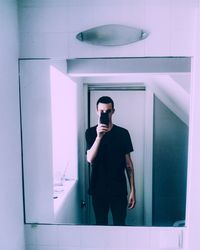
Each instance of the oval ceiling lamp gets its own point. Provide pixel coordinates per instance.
(112, 35)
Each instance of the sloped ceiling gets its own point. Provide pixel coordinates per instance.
(167, 78)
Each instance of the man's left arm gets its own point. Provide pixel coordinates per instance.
(130, 173)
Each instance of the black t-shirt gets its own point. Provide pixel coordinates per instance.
(108, 168)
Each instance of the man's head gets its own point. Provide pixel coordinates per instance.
(105, 104)
(105, 100)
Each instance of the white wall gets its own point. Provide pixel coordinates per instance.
(64, 237)
(193, 217)
(48, 29)
(37, 150)
(11, 208)
(46, 92)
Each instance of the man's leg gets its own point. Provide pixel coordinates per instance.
(119, 210)
(101, 208)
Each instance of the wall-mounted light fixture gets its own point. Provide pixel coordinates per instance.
(112, 35)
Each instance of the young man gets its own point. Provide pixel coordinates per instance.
(108, 152)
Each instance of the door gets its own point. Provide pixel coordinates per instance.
(130, 114)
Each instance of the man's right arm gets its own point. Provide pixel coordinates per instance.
(92, 152)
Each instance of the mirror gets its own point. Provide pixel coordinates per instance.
(58, 99)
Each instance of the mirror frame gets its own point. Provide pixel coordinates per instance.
(84, 68)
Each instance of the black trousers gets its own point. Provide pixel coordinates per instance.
(117, 204)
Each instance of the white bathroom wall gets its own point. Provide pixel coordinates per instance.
(48, 28)
(193, 217)
(35, 96)
(11, 208)
(48, 101)
(63, 237)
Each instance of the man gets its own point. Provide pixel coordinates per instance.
(108, 152)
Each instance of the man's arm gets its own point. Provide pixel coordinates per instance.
(92, 152)
(130, 173)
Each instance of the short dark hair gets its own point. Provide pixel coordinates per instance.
(106, 100)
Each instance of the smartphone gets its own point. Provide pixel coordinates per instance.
(104, 118)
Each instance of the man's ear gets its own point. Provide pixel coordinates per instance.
(113, 111)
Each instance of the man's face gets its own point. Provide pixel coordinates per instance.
(106, 108)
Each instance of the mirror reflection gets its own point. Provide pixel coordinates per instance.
(108, 153)
(58, 106)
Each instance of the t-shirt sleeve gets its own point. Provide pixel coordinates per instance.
(89, 138)
(128, 146)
